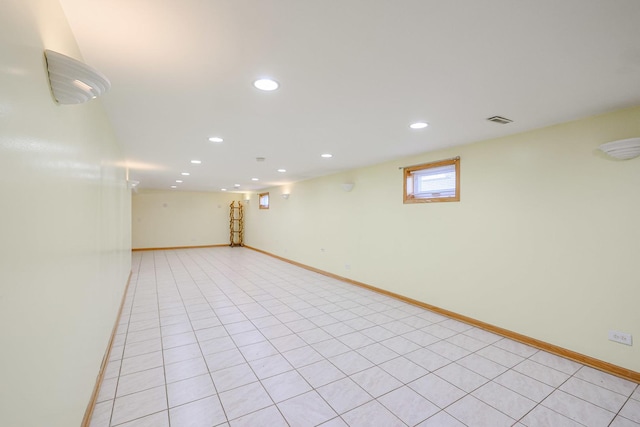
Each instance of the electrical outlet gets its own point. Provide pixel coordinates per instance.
(620, 337)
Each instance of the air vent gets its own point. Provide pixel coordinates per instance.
(499, 119)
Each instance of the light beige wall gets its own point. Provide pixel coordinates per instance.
(64, 229)
(545, 241)
(163, 219)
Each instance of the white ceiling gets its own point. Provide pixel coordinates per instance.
(353, 73)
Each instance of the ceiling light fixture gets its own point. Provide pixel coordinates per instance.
(196, 162)
(185, 174)
(73, 82)
(216, 139)
(326, 155)
(282, 170)
(418, 125)
(623, 149)
(266, 84)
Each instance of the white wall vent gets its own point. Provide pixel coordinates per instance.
(499, 119)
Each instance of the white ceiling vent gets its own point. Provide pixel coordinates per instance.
(499, 119)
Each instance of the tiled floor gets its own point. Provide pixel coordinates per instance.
(232, 337)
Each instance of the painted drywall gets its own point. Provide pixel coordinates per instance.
(167, 219)
(64, 230)
(544, 242)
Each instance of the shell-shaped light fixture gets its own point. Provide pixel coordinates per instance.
(622, 149)
(73, 82)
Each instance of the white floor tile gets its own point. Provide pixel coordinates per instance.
(139, 381)
(578, 410)
(307, 409)
(344, 395)
(231, 337)
(541, 373)
(461, 377)
(138, 405)
(269, 416)
(597, 395)
(376, 381)
(159, 419)
(437, 390)
(185, 391)
(235, 376)
(243, 400)
(506, 401)
(205, 412)
(475, 413)
(372, 414)
(403, 369)
(610, 382)
(270, 366)
(320, 373)
(542, 416)
(408, 405)
(620, 421)
(524, 385)
(441, 419)
(286, 385)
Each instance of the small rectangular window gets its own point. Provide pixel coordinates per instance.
(263, 200)
(433, 182)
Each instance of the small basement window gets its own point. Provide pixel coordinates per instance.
(263, 200)
(433, 182)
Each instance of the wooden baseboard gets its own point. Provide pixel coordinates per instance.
(171, 248)
(551, 348)
(86, 420)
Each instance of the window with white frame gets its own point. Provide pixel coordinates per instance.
(433, 182)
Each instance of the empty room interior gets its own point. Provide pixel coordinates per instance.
(304, 213)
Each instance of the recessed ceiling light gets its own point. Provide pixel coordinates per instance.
(185, 173)
(216, 139)
(174, 186)
(223, 189)
(418, 125)
(255, 179)
(178, 181)
(282, 170)
(266, 84)
(196, 162)
(326, 155)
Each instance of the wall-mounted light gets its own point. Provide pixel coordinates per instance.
(73, 82)
(285, 196)
(348, 186)
(622, 149)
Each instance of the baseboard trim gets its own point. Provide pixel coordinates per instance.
(542, 345)
(171, 248)
(86, 420)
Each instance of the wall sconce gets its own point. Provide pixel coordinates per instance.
(73, 82)
(348, 186)
(622, 149)
(285, 196)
